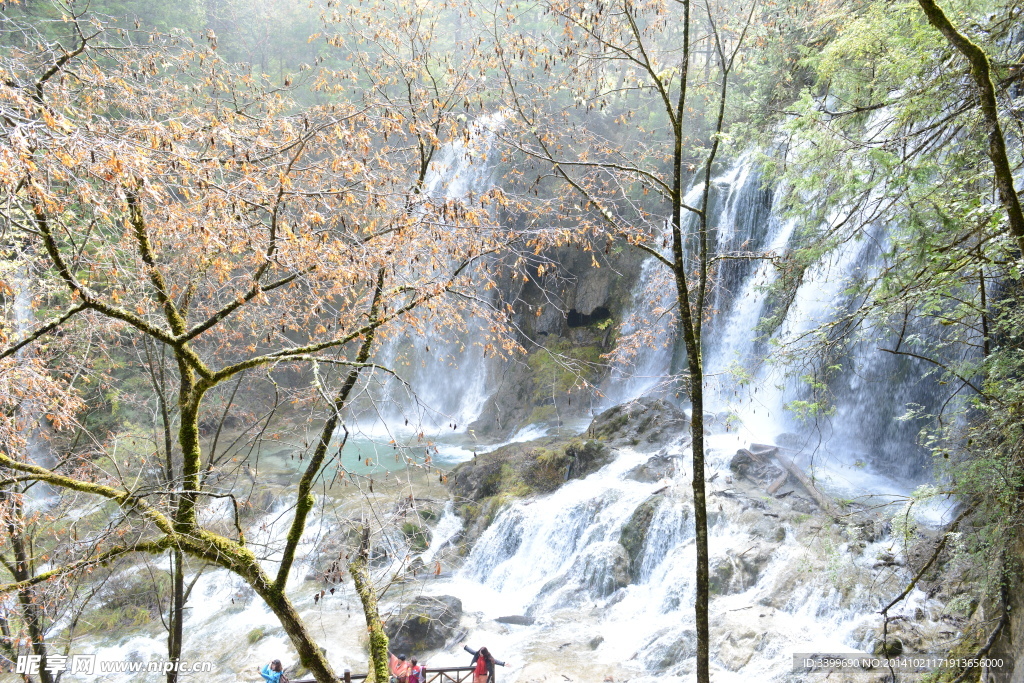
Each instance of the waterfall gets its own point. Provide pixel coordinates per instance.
(749, 382)
(607, 562)
(741, 220)
(605, 565)
(447, 377)
(448, 527)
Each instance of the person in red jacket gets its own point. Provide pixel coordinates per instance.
(483, 663)
(399, 667)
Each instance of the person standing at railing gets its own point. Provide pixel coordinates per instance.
(273, 672)
(399, 668)
(483, 664)
(415, 673)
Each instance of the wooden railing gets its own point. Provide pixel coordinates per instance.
(448, 674)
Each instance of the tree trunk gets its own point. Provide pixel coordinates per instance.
(358, 568)
(177, 616)
(700, 517)
(310, 656)
(31, 613)
(981, 71)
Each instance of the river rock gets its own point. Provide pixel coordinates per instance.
(633, 536)
(519, 469)
(720, 575)
(517, 620)
(260, 502)
(424, 625)
(743, 461)
(736, 647)
(669, 647)
(752, 562)
(644, 424)
(659, 466)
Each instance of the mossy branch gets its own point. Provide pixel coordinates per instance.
(123, 498)
(305, 500)
(157, 546)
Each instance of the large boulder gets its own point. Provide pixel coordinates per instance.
(645, 424)
(669, 647)
(720, 575)
(520, 469)
(483, 485)
(424, 625)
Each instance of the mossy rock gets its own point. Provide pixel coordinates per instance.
(485, 484)
(720, 578)
(522, 469)
(256, 635)
(416, 536)
(892, 647)
(645, 424)
(425, 624)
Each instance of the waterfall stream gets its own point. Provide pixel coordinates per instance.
(781, 583)
(447, 375)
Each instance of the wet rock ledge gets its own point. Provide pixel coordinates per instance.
(482, 485)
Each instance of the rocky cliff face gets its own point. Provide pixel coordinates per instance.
(568, 320)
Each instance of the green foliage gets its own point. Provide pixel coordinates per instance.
(887, 144)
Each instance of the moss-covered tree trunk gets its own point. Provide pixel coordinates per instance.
(310, 656)
(231, 554)
(176, 621)
(242, 562)
(359, 569)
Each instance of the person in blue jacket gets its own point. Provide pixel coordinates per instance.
(273, 672)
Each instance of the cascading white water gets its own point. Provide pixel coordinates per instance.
(747, 384)
(447, 528)
(34, 428)
(779, 586)
(644, 368)
(561, 558)
(741, 220)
